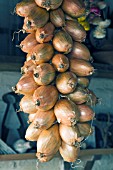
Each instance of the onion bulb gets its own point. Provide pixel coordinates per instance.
(80, 51)
(60, 62)
(49, 4)
(28, 67)
(32, 133)
(69, 153)
(75, 30)
(45, 97)
(70, 135)
(37, 17)
(28, 43)
(62, 42)
(44, 119)
(86, 113)
(24, 7)
(81, 67)
(74, 8)
(79, 96)
(45, 34)
(66, 82)
(27, 104)
(42, 53)
(44, 74)
(48, 143)
(85, 129)
(27, 27)
(83, 82)
(66, 112)
(26, 85)
(57, 17)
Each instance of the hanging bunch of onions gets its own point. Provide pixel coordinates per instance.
(55, 77)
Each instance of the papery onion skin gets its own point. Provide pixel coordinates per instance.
(85, 129)
(86, 113)
(28, 43)
(75, 30)
(45, 97)
(45, 34)
(80, 51)
(79, 96)
(51, 4)
(81, 67)
(24, 7)
(38, 17)
(74, 8)
(69, 153)
(44, 119)
(26, 85)
(83, 82)
(66, 82)
(70, 135)
(62, 42)
(32, 133)
(27, 104)
(66, 112)
(57, 17)
(28, 67)
(42, 53)
(48, 143)
(60, 62)
(44, 74)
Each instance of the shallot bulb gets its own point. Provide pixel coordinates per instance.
(79, 96)
(37, 17)
(75, 30)
(32, 133)
(44, 74)
(49, 4)
(66, 82)
(42, 53)
(28, 67)
(86, 113)
(83, 82)
(74, 8)
(28, 43)
(45, 34)
(80, 51)
(57, 17)
(45, 97)
(81, 67)
(66, 112)
(62, 42)
(24, 7)
(26, 85)
(85, 129)
(44, 119)
(27, 104)
(70, 135)
(69, 153)
(60, 62)
(48, 143)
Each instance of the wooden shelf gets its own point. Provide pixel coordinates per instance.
(27, 156)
